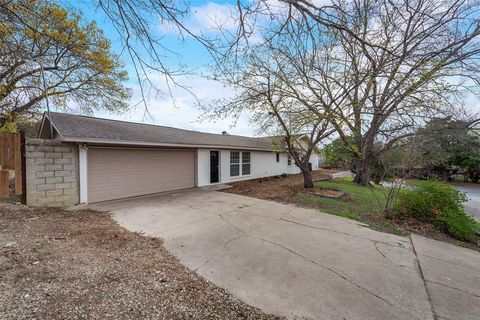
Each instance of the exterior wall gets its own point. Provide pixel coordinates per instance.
(52, 173)
(262, 164)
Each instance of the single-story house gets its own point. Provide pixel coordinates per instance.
(91, 160)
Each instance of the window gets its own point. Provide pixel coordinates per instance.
(277, 155)
(245, 163)
(234, 163)
(289, 161)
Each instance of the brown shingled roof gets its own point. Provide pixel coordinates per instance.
(78, 128)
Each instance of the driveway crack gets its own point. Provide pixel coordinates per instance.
(454, 288)
(434, 313)
(336, 273)
(398, 245)
(375, 244)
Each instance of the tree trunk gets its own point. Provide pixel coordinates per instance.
(307, 178)
(363, 172)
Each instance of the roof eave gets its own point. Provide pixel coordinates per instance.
(156, 144)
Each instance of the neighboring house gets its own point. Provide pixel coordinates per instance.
(110, 159)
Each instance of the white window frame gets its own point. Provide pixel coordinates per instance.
(236, 164)
(249, 163)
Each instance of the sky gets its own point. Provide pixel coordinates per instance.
(182, 112)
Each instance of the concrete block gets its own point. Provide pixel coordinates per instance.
(31, 181)
(63, 149)
(63, 185)
(35, 154)
(43, 161)
(56, 192)
(69, 155)
(30, 148)
(69, 167)
(43, 187)
(35, 168)
(54, 155)
(54, 180)
(62, 161)
(69, 198)
(71, 191)
(50, 201)
(44, 174)
(45, 148)
(72, 178)
(53, 167)
(38, 194)
(63, 173)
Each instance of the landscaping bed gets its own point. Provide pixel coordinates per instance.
(360, 203)
(280, 188)
(58, 264)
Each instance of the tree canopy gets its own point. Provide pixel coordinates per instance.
(39, 39)
(375, 70)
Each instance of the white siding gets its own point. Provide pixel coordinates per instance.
(83, 173)
(262, 164)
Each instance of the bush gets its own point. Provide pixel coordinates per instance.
(438, 203)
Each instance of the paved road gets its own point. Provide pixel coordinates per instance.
(301, 263)
(473, 193)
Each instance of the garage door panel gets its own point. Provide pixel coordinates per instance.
(117, 173)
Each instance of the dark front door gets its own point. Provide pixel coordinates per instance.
(214, 167)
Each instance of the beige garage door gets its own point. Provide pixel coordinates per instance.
(122, 173)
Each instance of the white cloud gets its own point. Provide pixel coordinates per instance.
(184, 113)
(208, 18)
(212, 16)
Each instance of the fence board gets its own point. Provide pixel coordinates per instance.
(10, 158)
(7, 158)
(17, 157)
(4, 189)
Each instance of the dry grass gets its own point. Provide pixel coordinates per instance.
(57, 264)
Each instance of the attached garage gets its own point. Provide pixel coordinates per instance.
(87, 160)
(121, 173)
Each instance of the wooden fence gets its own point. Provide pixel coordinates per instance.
(11, 159)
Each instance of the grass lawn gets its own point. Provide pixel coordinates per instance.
(363, 203)
(362, 200)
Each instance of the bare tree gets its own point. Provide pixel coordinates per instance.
(273, 93)
(392, 65)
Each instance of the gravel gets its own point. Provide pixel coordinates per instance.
(57, 264)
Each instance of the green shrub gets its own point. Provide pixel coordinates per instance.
(459, 224)
(438, 203)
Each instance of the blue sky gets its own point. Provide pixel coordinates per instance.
(184, 114)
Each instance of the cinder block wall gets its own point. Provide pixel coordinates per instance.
(52, 173)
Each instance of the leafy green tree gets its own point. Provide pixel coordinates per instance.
(39, 39)
(446, 144)
(337, 154)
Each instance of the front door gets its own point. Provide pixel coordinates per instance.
(214, 167)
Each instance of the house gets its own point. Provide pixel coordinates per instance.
(91, 160)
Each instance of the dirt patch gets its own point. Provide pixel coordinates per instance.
(275, 188)
(57, 264)
(327, 193)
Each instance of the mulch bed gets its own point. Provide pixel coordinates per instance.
(275, 188)
(57, 264)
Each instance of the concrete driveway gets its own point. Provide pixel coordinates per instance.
(301, 263)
